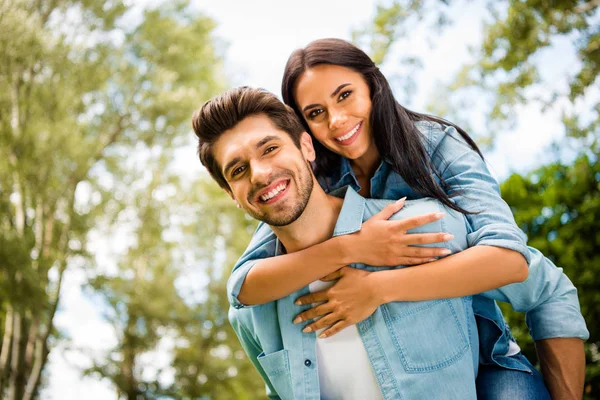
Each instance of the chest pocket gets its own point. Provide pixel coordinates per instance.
(428, 335)
(277, 368)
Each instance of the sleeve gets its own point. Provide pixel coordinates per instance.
(262, 245)
(252, 348)
(472, 187)
(548, 298)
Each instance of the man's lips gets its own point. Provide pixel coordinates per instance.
(350, 136)
(273, 192)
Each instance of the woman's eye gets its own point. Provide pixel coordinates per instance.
(238, 170)
(270, 149)
(314, 113)
(345, 94)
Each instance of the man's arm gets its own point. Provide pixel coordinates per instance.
(252, 348)
(563, 366)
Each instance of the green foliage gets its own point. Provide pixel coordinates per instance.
(95, 100)
(558, 206)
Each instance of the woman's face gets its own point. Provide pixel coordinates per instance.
(336, 103)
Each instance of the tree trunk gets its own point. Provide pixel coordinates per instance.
(15, 380)
(41, 355)
(5, 350)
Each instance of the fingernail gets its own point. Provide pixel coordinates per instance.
(447, 237)
(296, 320)
(399, 201)
(322, 336)
(298, 303)
(307, 329)
(440, 215)
(445, 252)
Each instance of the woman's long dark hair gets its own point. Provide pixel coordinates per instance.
(398, 140)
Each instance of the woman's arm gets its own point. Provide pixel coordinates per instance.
(358, 293)
(276, 277)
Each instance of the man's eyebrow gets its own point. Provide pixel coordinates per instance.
(230, 165)
(334, 93)
(265, 140)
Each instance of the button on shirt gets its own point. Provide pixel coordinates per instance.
(416, 349)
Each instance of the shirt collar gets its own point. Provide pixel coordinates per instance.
(351, 215)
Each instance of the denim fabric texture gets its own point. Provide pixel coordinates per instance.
(495, 383)
(416, 349)
(547, 296)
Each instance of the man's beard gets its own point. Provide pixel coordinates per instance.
(283, 214)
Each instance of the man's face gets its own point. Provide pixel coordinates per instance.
(268, 175)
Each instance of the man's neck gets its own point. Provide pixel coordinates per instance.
(315, 225)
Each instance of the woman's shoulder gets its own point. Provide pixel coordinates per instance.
(437, 136)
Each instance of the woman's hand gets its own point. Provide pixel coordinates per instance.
(386, 243)
(350, 300)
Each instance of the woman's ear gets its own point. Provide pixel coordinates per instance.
(306, 145)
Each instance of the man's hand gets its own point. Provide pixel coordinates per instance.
(350, 300)
(563, 367)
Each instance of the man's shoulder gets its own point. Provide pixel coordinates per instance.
(411, 207)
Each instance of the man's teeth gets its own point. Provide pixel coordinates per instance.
(349, 134)
(273, 192)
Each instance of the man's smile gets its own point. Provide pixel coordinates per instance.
(274, 192)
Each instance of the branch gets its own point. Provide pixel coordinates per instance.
(586, 7)
(110, 139)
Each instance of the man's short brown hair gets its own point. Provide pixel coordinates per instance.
(225, 111)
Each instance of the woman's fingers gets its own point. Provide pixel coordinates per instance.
(316, 297)
(426, 238)
(389, 210)
(324, 322)
(312, 313)
(332, 276)
(335, 328)
(419, 220)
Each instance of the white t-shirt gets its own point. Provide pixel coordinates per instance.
(345, 372)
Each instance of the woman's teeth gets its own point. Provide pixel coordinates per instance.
(273, 192)
(349, 134)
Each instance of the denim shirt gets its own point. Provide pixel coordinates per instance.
(416, 349)
(547, 296)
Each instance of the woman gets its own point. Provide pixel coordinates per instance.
(367, 140)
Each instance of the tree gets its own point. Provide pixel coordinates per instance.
(82, 87)
(558, 207)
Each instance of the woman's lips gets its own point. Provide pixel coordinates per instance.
(351, 136)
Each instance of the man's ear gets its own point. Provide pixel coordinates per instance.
(306, 145)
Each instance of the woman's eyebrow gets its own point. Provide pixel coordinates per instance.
(333, 94)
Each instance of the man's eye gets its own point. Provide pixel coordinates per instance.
(345, 94)
(314, 113)
(238, 170)
(270, 149)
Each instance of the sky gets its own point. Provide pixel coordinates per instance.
(261, 34)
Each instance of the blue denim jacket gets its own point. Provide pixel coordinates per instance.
(547, 296)
(416, 349)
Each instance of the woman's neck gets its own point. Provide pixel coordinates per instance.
(365, 166)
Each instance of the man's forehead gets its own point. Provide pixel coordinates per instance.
(245, 136)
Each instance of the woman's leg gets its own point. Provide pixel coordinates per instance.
(495, 383)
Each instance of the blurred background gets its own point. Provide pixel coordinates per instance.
(115, 245)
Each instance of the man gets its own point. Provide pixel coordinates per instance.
(257, 151)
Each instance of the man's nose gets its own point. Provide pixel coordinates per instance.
(337, 119)
(261, 172)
